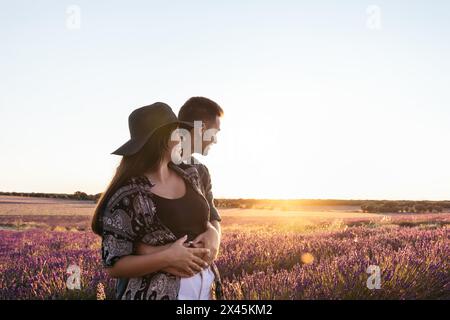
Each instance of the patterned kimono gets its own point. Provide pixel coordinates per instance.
(130, 217)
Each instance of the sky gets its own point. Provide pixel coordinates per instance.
(322, 99)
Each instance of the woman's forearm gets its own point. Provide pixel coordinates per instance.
(142, 248)
(137, 266)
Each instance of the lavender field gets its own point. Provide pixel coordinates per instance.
(286, 256)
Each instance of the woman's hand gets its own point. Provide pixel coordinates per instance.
(210, 239)
(144, 249)
(187, 260)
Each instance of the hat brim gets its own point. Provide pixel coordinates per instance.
(132, 146)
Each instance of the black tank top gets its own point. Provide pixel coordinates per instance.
(187, 215)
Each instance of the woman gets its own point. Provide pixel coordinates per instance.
(153, 201)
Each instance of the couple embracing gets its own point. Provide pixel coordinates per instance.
(159, 227)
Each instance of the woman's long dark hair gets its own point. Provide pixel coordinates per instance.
(146, 159)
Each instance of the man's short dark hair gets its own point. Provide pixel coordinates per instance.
(199, 109)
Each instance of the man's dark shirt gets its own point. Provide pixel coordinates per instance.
(206, 186)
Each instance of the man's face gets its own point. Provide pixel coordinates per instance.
(210, 130)
(174, 147)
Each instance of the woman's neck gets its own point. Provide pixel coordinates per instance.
(161, 173)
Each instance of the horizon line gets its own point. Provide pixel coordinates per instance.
(4, 193)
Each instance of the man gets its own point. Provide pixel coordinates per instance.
(207, 113)
(204, 115)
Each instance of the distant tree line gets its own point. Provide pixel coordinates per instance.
(283, 205)
(277, 204)
(78, 195)
(372, 206)
(376, 206)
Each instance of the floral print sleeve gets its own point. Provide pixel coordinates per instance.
(123, 224)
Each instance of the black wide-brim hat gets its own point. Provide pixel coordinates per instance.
(143, 123)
